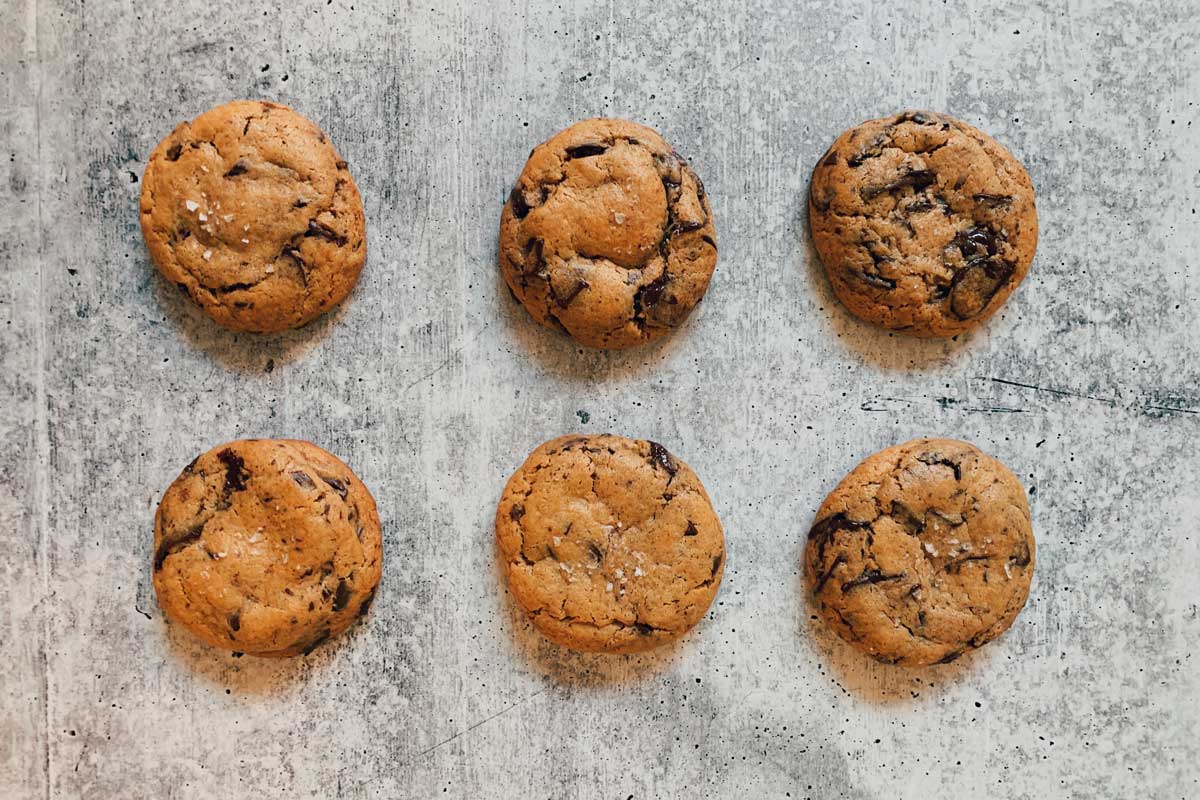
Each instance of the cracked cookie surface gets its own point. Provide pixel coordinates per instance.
(610, 544)
(608, 235)
(267, 547)
(924, 551)
(251, 213)
(923, 223)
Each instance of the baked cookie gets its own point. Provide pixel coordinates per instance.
(250, 211)
(924, 224)
(266, 546)
(608, 235)
(610, 544)
(922, 552)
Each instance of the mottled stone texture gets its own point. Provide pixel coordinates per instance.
(434, 386)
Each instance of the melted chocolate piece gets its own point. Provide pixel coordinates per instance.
(174, 542)
(316, 229)
(302, 479)
(517, 198)
(870, 576)
(238, 168)
(690, 530)
(342, 596)
(235, 471)
(586, 151)
(338, 485)
(174, 152)
(565, 300)
(235, 621)
(516, 512)
(937, 458)
(659, 457)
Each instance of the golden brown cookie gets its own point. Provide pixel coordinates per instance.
(924, 224)
(610, 544)
(266, 546)
(250, 211)
(922, 552)
(608, 235)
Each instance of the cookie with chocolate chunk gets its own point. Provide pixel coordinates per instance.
(250, 211)
(923, 552)
(924, 224)
(610, 544)
(266, 546)
(608, 235)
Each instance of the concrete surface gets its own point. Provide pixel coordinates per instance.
(434, 386)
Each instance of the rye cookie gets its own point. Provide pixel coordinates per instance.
(252, 214)
(608, 235)
(267, 547)
(923, 552)
(610, 544)
(923, 223)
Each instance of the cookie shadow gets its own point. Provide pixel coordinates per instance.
(239, 351)
(575, 668)
(247, 674)
(888, 350)
(566, 359)
(874, 681)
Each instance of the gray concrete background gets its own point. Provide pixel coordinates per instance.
(433, 385)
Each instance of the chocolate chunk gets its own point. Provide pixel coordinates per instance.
(235, 621)
(338, 485)
(238, 168)
(650, 294)
(174, 152)
(516, 512)
(659, 457)
(316, 229)
(586, 150)
(535, 262)
(690, 530)
(302, 479)
(1021, 557)
(956, 565)
(917, 178)
(643, 628)
(300, 203)
(174, 542)
(517, 198)
(235, 472)
(868, 577)
(830, 158)
(342, 596)
(716, 564)
(824, 529)
(974, 286)
(871, 279)
(191, 467)
(976, 242)
(993, 200)
(596, 552)
(837, 562)
(937, 458)
(564, 301)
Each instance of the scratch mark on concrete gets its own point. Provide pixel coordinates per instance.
(483, 721)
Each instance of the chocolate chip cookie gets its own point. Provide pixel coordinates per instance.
(608, 235)
(266, 546)
(250, 211)
(610, 544)
(924, 224)
(922, 552)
